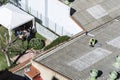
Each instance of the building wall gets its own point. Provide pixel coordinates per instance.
(54, 15)
(24, 4)
(60, 14)
(51, 17)
(46, 73)
(45, 32)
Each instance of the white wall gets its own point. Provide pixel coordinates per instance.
(46, 73)
(55, 15)
(60, 14)
(23, 4)
(45, 32)
(37, 5)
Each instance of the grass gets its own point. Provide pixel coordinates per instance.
(17, 47)
(14, 50)
(3, 63)
(39, 36)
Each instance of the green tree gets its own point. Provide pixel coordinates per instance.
(14, 47)
(4, 46)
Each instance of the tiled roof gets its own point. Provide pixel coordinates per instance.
(31, 72)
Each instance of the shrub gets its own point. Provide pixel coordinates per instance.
(57, 41)
(3, 1)
(36, 43)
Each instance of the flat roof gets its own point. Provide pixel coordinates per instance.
(76, 58)
(93, 13)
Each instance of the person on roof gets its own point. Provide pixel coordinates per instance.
(92, 42)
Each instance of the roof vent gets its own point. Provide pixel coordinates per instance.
(27, 69)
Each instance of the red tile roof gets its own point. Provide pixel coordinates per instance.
(31, 72)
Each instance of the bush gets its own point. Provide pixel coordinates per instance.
(3, 1)
(36, 43)
(57, 41)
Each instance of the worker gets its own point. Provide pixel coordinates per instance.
(92, 42)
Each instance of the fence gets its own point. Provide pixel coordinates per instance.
(50, 24)
(45, 32)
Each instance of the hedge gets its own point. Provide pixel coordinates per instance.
(57, 41)
(36, 43)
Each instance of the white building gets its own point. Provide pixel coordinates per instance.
(54, 15)
(12, 17)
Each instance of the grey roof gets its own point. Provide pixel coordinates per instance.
(20, 72)
(76, 58)
(111, 7)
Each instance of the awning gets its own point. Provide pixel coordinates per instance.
(12, 17)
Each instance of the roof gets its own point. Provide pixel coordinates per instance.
(93, 13)
(31, 72)
(30, 54)
(12, 17)
(21, 72)
(76, 58)
(38, 78)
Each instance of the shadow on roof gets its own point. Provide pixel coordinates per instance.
(7, 75)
